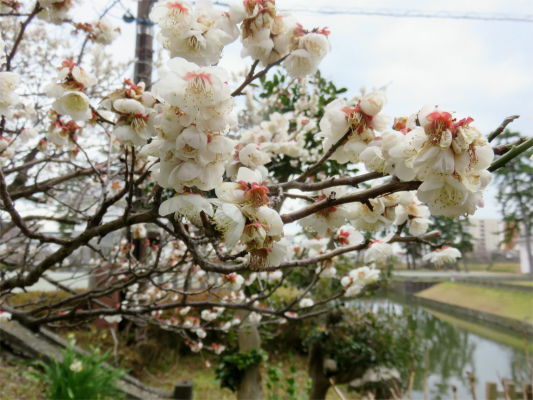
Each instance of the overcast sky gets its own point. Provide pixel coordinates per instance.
(481, 69)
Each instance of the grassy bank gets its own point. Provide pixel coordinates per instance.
(503, 302)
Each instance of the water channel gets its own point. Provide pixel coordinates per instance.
(457, 346)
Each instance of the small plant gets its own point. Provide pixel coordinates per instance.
(80, 376)
(290, 389)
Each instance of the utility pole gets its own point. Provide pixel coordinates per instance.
(143, 73)
(144, 44)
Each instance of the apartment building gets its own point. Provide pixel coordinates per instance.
(486, 236)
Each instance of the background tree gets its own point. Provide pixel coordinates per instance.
(515, 194)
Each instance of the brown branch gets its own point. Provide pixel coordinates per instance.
(501, 149)
(23, 27)
(49, 183)
(502, 127)
(325, 157)
(74, 243)
(360, 197)
(17, 219)
(251, 77)
(331, 182)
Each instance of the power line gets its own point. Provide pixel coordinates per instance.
(415, 14)
(407, 13)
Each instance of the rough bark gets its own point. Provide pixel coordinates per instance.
(250, 386)
(321, 383)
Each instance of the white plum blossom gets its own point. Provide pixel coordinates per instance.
(104, 32)
(301, 63)
(378, 251)
(185, 310)
(271, 276)
(357, 279)
(70, 95)
(5, 316)
(443, 256)
(254, 317)
(113, 318)
(138, 231)
(208, 315)
(75, 104)
(327, 220)
(8, 98)
(188, 205)
(196, 347)
(326, 271)
(306, 302)
(233, 281)
(230, 222)
(340, 119)
(316, 246)
(412, 212)
(353, 289)
(348, 236)
(374, 219)
(188, 86)
(366, 275)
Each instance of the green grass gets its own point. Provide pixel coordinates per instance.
(16, 383)
(480, 330)
(519, 283)
(504, 302)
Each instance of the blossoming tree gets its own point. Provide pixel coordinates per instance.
(175, 170)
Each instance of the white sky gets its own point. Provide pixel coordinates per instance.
(478, 68)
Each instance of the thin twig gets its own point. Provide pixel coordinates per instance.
(501, 128)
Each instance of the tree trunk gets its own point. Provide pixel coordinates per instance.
(250, 386)
(321, 383)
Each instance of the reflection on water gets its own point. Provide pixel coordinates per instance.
(454, 351)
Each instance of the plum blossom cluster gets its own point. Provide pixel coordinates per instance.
(197, 35)
(134, 108)
(70, 91)
(357, 279)
(355, 124)
(101, 31)
(326, 221)
(55, 11)
(282, 134)
(450, 157)
(8, 84)
(243, 215)
(413, 213)
(268, 36)
(192, 122)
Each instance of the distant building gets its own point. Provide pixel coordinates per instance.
(486, 236)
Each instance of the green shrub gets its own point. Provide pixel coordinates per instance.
(233, 364)
(80, 376)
